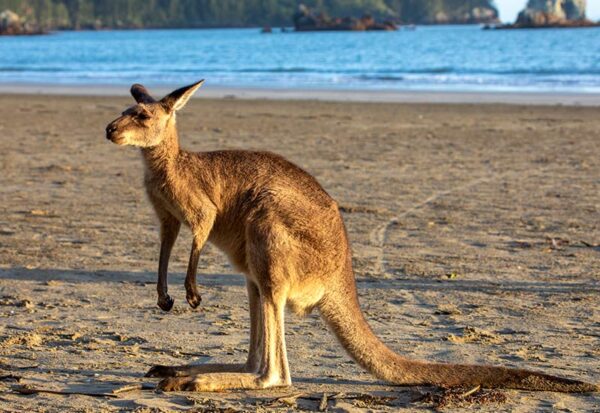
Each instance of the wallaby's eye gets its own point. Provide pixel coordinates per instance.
(143, 116)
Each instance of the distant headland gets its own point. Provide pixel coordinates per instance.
(39, 16)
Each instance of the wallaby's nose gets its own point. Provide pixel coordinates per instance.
(110, 129)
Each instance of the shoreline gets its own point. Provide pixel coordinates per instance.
(334, 95)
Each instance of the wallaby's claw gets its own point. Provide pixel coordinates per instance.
(161, 371)
(193, 300)
(166, 303)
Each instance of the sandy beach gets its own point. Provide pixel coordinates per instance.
(475, 232)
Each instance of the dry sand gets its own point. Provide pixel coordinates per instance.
(475, 229)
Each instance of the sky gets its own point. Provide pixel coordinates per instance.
(510, 8)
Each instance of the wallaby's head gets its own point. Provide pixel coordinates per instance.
(145, 124)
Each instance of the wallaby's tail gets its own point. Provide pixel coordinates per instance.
(341, 311)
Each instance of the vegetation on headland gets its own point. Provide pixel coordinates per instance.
(109, 14)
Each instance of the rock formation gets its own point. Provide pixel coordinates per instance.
(9, 22)
(306, 20)
(472, 16)
(12, 24)
(552, 13)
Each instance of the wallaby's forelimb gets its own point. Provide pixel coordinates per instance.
(201, 225)
(169, 229)
(191, 291)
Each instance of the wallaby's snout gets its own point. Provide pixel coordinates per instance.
(111, 130)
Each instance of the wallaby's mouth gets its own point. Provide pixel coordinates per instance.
(116, 139)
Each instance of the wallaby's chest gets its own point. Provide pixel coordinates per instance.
(166, 197)
(162, 201)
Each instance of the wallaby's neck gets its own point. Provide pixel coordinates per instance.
(160, 159)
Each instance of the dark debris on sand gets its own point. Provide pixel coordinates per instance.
(460, 397)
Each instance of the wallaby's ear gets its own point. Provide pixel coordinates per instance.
(177, 99)
(141, 94)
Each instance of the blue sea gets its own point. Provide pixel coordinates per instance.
(436, 58)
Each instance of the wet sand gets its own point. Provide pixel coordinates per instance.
(539, 98)
(475, 230)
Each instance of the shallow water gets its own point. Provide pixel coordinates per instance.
(452, 58)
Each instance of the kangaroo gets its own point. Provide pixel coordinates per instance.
(280, 228)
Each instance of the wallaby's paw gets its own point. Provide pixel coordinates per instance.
(177, 384)
(166, 303)
(161, 371)
(193, 300)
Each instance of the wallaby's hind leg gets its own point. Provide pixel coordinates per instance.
(193, 369)
(273, 369)
(255, 349)
(254, 353)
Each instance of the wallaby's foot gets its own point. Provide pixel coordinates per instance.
(165, 302)
(161, 371)
(193, 299)
(219, 382)
(176, 384)
(179, 371)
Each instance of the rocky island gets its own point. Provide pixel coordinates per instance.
(306, 20)
(550, 14)
(11, 24)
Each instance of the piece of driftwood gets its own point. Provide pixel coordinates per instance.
(134, 387)
(290, 399)
(10, 377)
(4, 366)
(324, 403)
(470, 392)
(34, 390)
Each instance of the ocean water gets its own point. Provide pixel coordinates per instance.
(438, 58)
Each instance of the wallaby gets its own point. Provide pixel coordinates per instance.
(281, 229)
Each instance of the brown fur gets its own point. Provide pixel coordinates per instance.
(285, 233)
